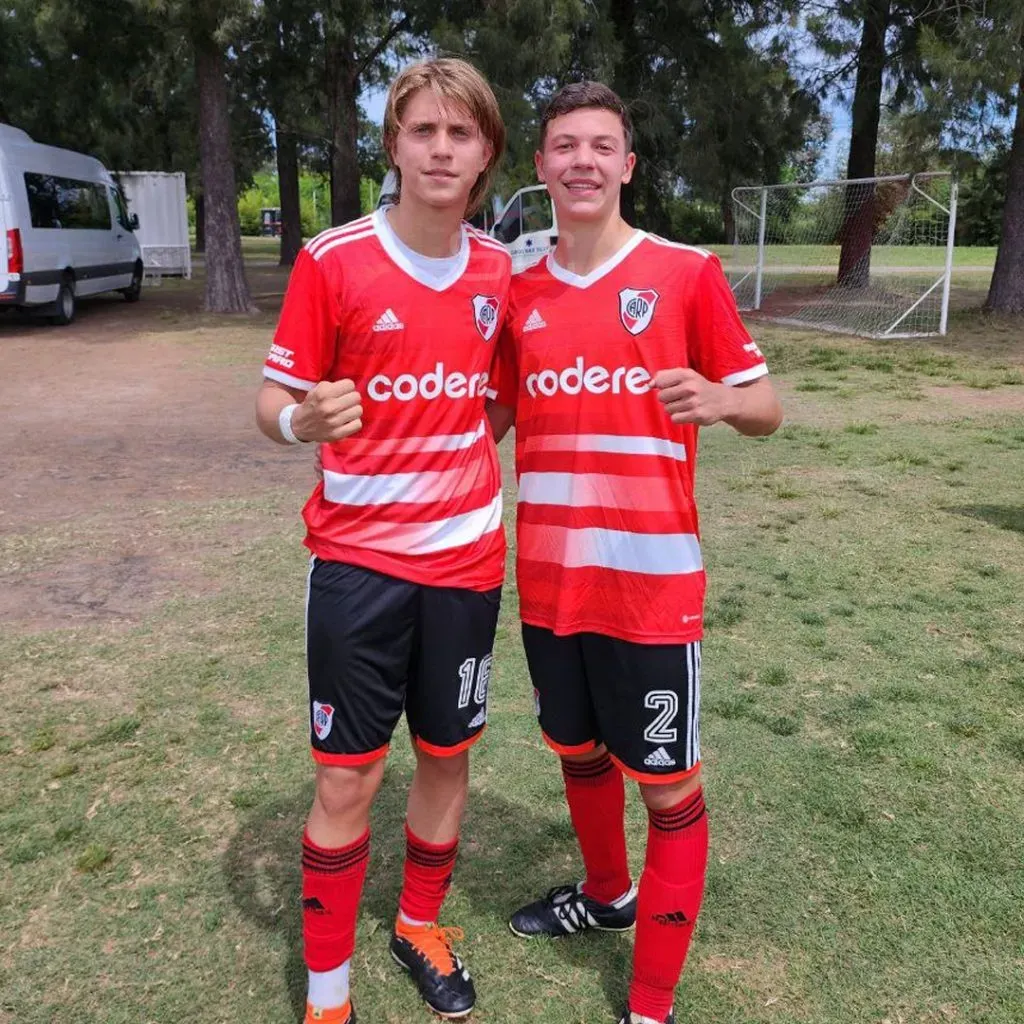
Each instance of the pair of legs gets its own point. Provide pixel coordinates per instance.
(656, 796)
(335, 855)
(378, 647)
(611, 708)
(671, 885)
(344, 796)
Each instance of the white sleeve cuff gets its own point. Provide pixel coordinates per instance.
(745, 376)
(286, 378)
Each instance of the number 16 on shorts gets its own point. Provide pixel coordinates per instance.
(474, 678)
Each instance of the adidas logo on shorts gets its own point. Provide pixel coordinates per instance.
(534, 322)
(659, 759)
(387, 321)
(479, 720)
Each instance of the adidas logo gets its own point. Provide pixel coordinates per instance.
(675, 919)
(387, 321)
(480, 719)
(313, 905)
(659, 759)
(534, 322)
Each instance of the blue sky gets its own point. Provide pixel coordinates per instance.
(373, 104)
(833, 161)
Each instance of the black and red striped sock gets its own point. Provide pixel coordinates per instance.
(332, 883)
(596, 796)
(671, 890)
(427, 878)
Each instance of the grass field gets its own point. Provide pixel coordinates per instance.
(980, 258)
(863, 735)
(919, 256)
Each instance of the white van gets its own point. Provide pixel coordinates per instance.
(64, 229)
(527, 226)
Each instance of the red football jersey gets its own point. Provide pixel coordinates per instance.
(608, 539)
(416, 494)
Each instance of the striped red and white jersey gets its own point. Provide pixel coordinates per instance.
(416, 494)
(608, 538)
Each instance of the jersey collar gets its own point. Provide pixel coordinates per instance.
(586, 280)
(385, 234)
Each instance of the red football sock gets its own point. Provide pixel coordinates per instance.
(428, 876)
(671, 890)
(597, 805)
(332, 882)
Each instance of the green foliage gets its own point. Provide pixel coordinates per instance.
(314, 201)
(115, 81)
(690, 133)
(695, 222)
(982, 195)
(764, 128)
(982, 65)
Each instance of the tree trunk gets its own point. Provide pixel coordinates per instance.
(626, 82)
(200, 222)
(728, 217)
(1006, 293)
(859, 201)
(343, 121)
(288, 182)
(226, 287)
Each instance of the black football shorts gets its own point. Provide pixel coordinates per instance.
(642, 701)
(376, 646)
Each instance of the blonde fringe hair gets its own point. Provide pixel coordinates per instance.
(457, 82)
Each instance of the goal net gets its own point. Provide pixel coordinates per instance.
(869, 256)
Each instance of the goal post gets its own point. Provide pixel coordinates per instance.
(867, 256)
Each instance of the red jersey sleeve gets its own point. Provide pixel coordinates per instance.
(503, 387)
(721, 349)
(304, 343)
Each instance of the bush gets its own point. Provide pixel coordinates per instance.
(696, 223)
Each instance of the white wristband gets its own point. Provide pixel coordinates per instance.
(284, 423)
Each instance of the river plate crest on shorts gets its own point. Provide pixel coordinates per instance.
(323, 719)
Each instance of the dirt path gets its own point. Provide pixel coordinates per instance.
(129, 414)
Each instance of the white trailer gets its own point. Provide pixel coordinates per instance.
(158, 198)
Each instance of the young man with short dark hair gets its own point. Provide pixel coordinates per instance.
(617, 347)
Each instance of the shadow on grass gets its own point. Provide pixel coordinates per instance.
(509, 854)
(1007, 517)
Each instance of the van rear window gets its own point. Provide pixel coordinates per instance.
(55, 202)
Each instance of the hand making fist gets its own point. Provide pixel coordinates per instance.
(330, 412)
(690, 398)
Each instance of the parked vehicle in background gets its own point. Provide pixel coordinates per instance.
(483, 219)
(64, 227)
(158, 199)
(527, 226)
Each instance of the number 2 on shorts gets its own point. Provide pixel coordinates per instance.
(667, 704)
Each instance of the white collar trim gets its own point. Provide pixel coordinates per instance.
(386, 236)
(586, 280)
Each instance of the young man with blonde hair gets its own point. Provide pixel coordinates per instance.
(381, 356)
(616, 348)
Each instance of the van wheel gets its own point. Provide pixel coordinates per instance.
(134, 291)
(64, 307)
